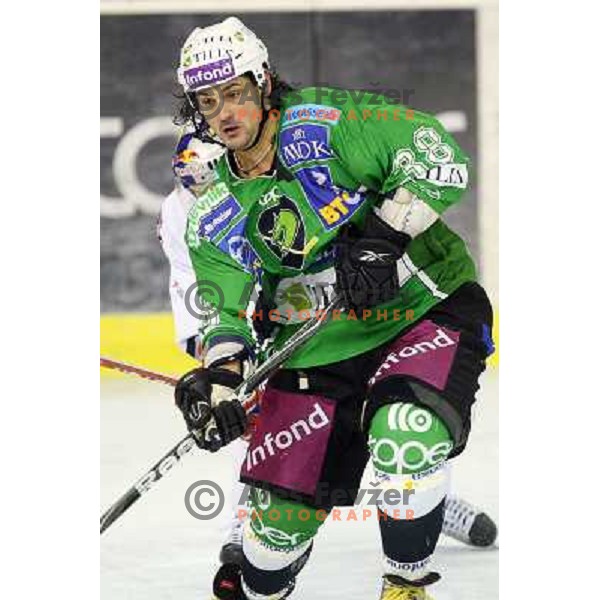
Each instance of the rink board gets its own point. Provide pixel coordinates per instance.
(148, 340)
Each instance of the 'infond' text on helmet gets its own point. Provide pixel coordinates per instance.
(219, 53)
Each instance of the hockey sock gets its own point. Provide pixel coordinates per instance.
(277, 542)
(273, 584)
(409, 445)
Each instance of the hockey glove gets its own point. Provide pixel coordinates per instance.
(209, 391)
(365, 264)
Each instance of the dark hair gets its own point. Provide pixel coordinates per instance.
(187, 109)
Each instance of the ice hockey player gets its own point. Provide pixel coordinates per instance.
(193, 166)
(324, 194)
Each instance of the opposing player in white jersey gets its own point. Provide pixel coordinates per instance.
(192, 165)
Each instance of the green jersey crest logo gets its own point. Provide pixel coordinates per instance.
(282, 230)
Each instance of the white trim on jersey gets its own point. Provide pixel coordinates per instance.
(173, 219)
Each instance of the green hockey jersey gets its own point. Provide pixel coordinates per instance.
(336, 158)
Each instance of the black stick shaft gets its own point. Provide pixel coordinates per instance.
(157, 472)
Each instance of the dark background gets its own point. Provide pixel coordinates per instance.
(431, 53)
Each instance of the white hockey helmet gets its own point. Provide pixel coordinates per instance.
(219, 53)
(194, 163)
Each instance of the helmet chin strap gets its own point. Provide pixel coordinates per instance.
(259, 149)
(261, 125)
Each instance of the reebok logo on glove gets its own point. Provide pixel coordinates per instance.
(371, 256)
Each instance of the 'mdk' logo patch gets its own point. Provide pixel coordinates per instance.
(303, 143)
(283, 232)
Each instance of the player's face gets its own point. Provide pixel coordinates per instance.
(233, 111)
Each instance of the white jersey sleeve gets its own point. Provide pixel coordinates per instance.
(171, 232)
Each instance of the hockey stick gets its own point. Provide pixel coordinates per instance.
(117, 365)
(123, 367)
(171, 458)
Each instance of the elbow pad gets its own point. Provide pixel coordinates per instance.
(406, 213)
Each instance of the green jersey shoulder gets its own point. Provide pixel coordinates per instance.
(380, 144)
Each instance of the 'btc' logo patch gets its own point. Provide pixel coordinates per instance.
(333, 204)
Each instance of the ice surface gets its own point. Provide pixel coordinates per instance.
(158, 551)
